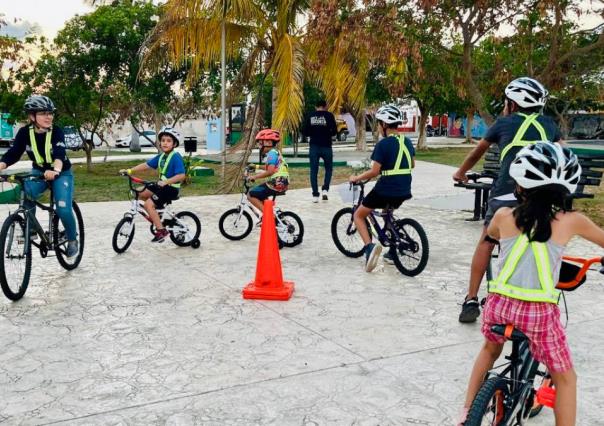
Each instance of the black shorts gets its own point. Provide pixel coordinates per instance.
(163, 194)
(262, 192)
(377, 201)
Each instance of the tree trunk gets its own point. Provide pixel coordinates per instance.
(473, 91)
(469, 125)
(422, 144)
(135, 145)
(361, 136)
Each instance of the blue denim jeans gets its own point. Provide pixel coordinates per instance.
(317, 152)
(62, 188)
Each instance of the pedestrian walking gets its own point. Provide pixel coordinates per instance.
(320, 127)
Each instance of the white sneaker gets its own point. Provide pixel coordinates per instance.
(315, 199)
(325, 197)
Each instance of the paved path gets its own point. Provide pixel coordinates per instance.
(160, 335)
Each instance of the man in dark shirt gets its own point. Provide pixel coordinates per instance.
(522, 124)
(45, 146)
(320, 127)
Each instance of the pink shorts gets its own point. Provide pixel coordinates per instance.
(540, 322)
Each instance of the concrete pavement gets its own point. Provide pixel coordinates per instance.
(161, 335)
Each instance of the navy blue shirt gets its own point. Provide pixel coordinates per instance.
(176, 166)
(502, 133)
(386, 153)
(22, 144)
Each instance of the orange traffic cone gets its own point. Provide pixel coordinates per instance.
(269, 284)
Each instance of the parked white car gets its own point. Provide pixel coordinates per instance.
(142, 139)
(73, 140)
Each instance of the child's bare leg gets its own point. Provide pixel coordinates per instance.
(256, 202)
(152, 212)
(566, 397)
(359, 221)
(484, 362)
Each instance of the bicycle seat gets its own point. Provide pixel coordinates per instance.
(509, 332)
(278, 194)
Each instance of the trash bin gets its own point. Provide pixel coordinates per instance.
(191, 144)
(10, 193)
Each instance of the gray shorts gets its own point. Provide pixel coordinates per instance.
(495, 205)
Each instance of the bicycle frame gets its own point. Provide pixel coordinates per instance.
(247, 206)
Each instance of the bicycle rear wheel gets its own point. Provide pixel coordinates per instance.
(15, 266)
(290, 229)
(60, 240)
(186, 229)
(345, 235)
(411, 255)
(123, 234)
(488, 407)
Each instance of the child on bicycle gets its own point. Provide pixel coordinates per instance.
(522, 124)
(171, 169)
(45, 146)
(532, 237)
(275, 169)
(392, 160)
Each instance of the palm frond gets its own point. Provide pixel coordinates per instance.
(288, 76)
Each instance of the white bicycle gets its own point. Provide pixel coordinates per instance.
(184, 227)
(236, 224)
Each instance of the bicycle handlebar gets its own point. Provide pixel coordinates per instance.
(21, 177)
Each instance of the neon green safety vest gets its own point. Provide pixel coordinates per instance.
(164, 169)
(547, 292)
(283, 170)
(47, 147)
(398, 169)
(529, 120)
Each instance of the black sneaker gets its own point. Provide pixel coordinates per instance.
(324, 196)
(470, 310)
(388, 258)
(160, 235)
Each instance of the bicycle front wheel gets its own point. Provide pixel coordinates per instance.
(186, 229)
(60, 240)
(290, 229)
(235, 224)
(345, 235)
(123, 234)
(15, 267)
(411, 255)
(488, 407)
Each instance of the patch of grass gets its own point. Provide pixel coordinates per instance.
(104, 184)
(101, 152)
(449, 156)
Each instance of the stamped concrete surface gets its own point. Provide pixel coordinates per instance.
(161, 334)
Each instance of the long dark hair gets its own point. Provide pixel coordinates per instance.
(537, 209)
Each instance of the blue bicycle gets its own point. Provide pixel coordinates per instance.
(406, 239)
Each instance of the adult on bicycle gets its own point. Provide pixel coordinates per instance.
(533, 237)
(521, 124)
(45, 146)
(392, 160)
(275, 169)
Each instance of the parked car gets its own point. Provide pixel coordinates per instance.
(342, 129)
(96, 139)
(73, 140)
(146, 138)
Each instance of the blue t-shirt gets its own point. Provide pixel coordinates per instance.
(176, 166)
(502, 132)
(272, 158)
(386, 153)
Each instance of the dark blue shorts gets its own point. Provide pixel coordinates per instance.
(262, 192)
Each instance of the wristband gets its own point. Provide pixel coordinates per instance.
(129, 171)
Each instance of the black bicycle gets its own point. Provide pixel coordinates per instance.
(519, 389)
(21, 230)
(406, 238)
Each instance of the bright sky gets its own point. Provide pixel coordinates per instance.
(50, 15)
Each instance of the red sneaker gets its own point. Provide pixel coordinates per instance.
(160, 235)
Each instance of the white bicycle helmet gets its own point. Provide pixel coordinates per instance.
(170, 131)
(546, 163)
(389, 114)
(38, 103)
(526, 92)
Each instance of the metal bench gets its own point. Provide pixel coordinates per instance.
(481, 182)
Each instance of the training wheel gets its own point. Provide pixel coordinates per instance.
(196, 244)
